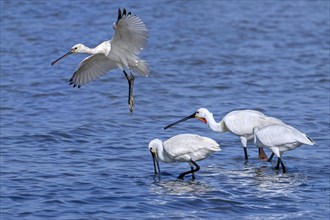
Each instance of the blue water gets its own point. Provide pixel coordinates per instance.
(79, 154)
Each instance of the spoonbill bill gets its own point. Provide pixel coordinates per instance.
(182, 148)
(280, 138)
(238, 122)
(129, 39)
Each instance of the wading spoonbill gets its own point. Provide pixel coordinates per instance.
(280, 138)
(238, 122)
(182, 148)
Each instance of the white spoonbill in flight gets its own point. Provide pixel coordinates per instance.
(280, 138)
(238, 122)
(129, 39)
(182, 148)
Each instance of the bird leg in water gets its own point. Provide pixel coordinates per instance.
(271, 157)
(191, 171)
(193, 174)
(278, 164)
(262, 154)
(279, 161)
(130, 79)
(283, 167)
(245, 153)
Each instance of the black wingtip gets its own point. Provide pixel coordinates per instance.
(72, 83)
(119, 15)
(122, 15)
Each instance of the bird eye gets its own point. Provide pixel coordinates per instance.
(76, 48)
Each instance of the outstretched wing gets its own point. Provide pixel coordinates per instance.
(131, 34)
(91, 68)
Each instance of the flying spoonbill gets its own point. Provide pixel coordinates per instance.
(129, 39)
(238, 122)
(280, 138)
(182, 148)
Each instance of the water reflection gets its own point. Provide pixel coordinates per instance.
(180, 187)
(280, 185)
(262, 178)
(265, 181)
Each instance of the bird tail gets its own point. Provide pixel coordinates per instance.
(216, 148)
(142, 67)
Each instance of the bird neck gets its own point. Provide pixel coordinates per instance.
(163, 155)
(103, 48)
(215, 126)
(85, 49)
(92, 51)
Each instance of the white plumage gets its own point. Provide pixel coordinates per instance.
(130, 38)
(280, 138)
(238, 122)
(183, 148)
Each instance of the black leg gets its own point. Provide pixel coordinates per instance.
(271, 157)
(193, 174)
(181, 176)
(278, 164)
(282, 164)
(245, 153)
(130, 79)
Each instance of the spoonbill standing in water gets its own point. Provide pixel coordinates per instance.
(183, 148)
(238, 122)
(280, 138)
(130, 38)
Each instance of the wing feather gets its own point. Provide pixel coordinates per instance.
(278, 135)
(190, 144)
(131, 34)
(91, 68)
(242, 122)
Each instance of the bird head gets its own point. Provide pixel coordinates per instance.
(200, 114)
(77, 48)
(153, 146)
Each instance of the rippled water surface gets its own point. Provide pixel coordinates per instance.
(79, 154)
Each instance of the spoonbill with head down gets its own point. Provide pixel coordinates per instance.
(280, 138)
(130, 38)
(182, 148)
(238, 122)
